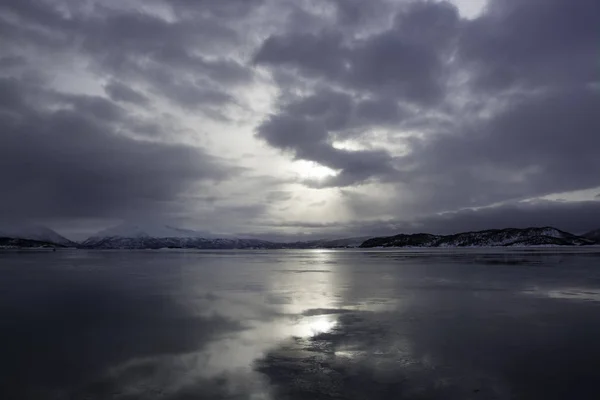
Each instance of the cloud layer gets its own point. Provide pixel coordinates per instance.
(126, 109)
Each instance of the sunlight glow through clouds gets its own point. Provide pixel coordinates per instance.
(312, 170)
(350, 145)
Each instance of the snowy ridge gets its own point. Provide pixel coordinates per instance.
(157, 236)
(546, 236)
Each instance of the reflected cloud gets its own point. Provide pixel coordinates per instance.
(314, 325)
(176, 378)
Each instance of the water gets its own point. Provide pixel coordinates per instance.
(299, 325)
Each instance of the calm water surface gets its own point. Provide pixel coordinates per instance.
(300, 325)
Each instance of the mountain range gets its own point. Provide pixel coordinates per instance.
(546, 236)
(593, 235)
(156, 236)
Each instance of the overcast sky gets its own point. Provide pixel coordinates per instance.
(292, 118)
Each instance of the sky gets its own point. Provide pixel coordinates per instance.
(286, 119)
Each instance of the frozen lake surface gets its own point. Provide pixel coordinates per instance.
(307, 324)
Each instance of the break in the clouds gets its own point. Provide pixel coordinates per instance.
(298, 117)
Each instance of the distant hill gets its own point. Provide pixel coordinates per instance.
(16, 243)
(546, 236)
(36, 233)
(593, 235)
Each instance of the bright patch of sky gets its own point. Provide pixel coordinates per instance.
(470, 9)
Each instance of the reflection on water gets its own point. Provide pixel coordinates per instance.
(300, 325)
(312, 326)
(567, 293)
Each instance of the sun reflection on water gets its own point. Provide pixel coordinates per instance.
(315, 325)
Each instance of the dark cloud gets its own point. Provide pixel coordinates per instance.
(533, 136)
(353, 13)
(94, 107)
(399, 65)
(307, 126)
(164, 57)
(540, 144)
(402, 62)
(307, 140)
(575, 217)
(534, 44)
(33, 23)
(291, 133)
(12, 61)
(77, 161)
(183, 58)
(278, 196)
(79, 155)
(340, 112)
(139, 33)
(190, 94)
(227, 10)
(428, 23)
(168, 54)
(316, 55)
(389, 64)
(118, 91)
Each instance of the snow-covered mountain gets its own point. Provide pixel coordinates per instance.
(149, 230)
(33, 233)
(157, 236)
(546, 236)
